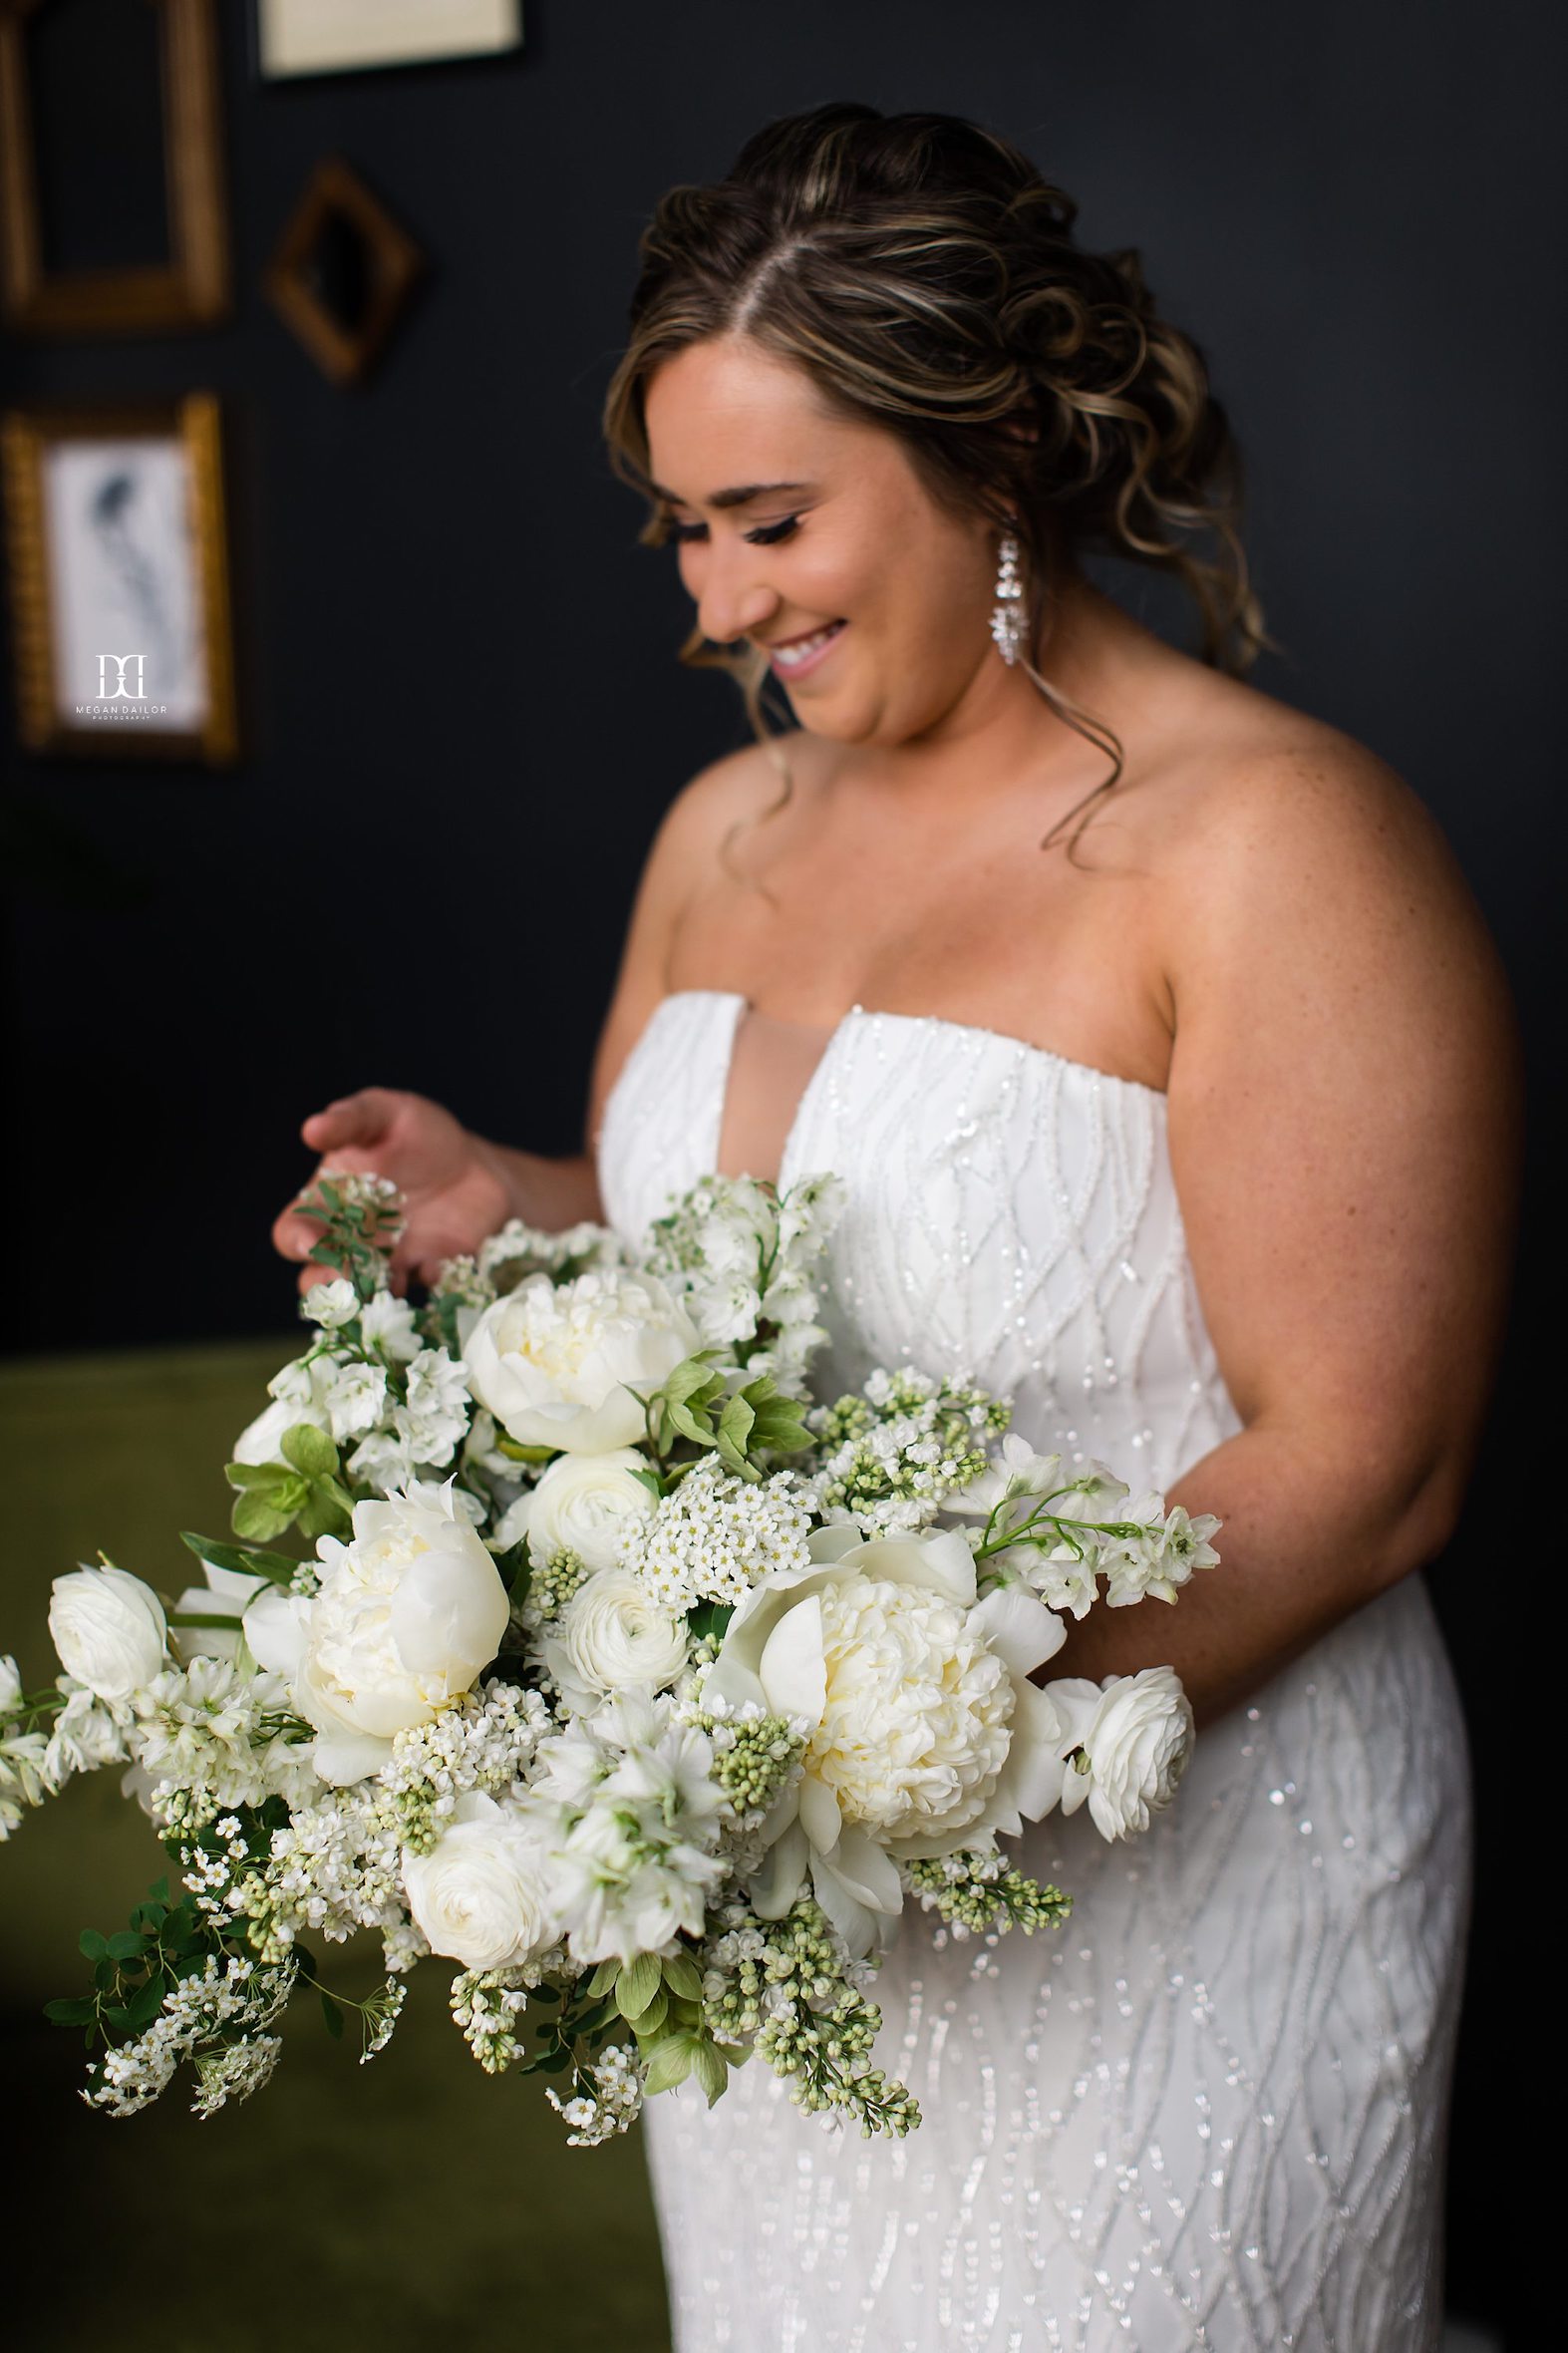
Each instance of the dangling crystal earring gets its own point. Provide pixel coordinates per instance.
(1008, 618)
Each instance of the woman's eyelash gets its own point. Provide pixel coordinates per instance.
(766, 536)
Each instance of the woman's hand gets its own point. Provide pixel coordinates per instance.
(455, 1188)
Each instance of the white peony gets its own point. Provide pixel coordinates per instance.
(481, 1896)
(584, 1503)
(556, 1364)
(1132, 1735)
(109, 1629)
(407, 1615)
(611, 1637)
(925, 1732)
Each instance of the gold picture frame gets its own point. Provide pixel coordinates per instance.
(119, 578)
(192, 288)
(299, 280)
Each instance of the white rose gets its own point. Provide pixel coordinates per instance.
(482, 1895)
(1134, 1738)
(612, 1636)
(556, 1363)
(109, 1630)
(407, 1615)
(926, 1733)
(584, 1503)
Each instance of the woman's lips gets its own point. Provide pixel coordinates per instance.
(787, 663)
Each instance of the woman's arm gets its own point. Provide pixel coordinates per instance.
(1343, 1120)
(556, 1192)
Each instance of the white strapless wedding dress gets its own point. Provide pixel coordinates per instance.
(1211, 2110)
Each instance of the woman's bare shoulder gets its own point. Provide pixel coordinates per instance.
(1251, 787)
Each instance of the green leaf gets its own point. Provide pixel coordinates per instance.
(637, 1984)
(681, 1417)
(260, 1477)
(247, 1560)
(709, 2069)
(321, 1514)
(333, 2016)
(670, 2062)
(734, 1423)
(253, 1515)
(690, 1376)
(604, 1976)
(682, 1976)
(650, 1481)
(554, 2062)
(124, 1946)
(309, 1450)
(650, 2021)
(145, 2006)
(710, 1617)
(77, 2010)
(93, 1944)
(516, 1453)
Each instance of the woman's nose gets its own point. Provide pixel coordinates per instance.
(730, 605)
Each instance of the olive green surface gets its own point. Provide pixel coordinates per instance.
(410, 2203)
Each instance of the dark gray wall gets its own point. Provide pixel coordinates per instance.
(458, 667)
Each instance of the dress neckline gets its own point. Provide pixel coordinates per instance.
(840, 1028)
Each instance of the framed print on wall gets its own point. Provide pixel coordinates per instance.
(113, 216)
(119, 585)
(346, 36)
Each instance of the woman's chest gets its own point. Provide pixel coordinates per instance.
(974, 925)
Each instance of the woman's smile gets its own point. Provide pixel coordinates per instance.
(793, 657)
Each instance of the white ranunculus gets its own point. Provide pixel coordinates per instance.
(556, 1364)
(109, 1630)
(926, 1734)
(612, 1636)
(407, 1615)
(584, 1503)
(481, 1896)
(1133, 1734)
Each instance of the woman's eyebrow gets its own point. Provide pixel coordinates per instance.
(736, 498)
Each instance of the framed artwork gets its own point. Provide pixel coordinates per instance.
(117, 572)
(113, 218)
(346, 36)
(343, 272)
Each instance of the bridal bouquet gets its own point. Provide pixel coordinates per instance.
(563, 1633)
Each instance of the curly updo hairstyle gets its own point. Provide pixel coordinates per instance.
(924, 275)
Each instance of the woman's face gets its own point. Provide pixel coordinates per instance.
(839, 534)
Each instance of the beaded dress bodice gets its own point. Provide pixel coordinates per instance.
(1209, 2111)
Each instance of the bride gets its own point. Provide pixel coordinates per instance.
(1169, 1064)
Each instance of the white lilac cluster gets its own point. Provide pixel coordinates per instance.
(219, 1738)
(1061, 1532)
(218, 2017)
(889, 1459)
(517, 1249)
(613, 2101)
(745, 1258)
(717, 1536)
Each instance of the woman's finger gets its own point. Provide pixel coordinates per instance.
(360, 1119)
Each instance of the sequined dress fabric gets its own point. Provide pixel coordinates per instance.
(1209, 2111)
